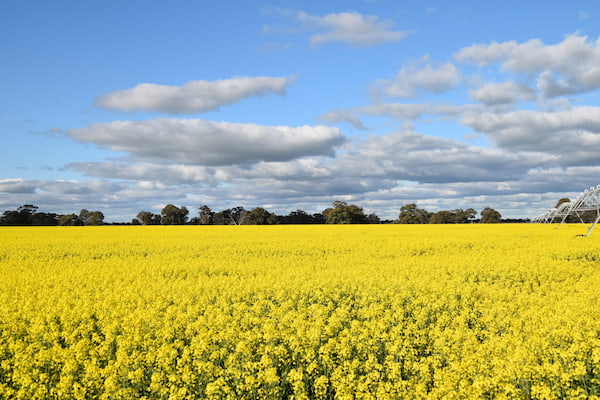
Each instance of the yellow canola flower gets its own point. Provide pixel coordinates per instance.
(299, 312)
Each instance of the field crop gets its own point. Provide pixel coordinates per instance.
(299, 312)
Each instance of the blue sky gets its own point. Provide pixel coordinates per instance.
(123, 106)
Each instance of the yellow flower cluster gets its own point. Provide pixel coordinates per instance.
(299, 312)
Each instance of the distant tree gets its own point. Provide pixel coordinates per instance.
(302, 217)
(344, 213)
(259, 216)
(84, 216)
(173, 215)
(96, 218)
(222, 217)
(319, 218)
(464, 216)
(205, 215)
(297, 217)
(237, 215)
(91, 218)
(490, 216)
(373, 219)
(147, 218)
(21, 216)
(442, 217)
(69, 220)
(27, 215)
(411, 214)
(44, 219)
(458, 216)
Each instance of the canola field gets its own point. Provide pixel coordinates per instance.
(300, 312)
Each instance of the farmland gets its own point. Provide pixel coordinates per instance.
(304, 312)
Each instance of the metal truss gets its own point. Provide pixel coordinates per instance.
(589, 200)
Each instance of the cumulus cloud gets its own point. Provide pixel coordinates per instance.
(350, 27)
(336, 116)
(379, 172)
(571, 66)
(378, 161)
(174, 174)
(482, 54)
(414, 77)
(493, 94)
(192, 97)
(417, 157)
(203, 142)
(573, 134)
(16, 185)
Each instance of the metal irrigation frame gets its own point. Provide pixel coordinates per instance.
(588, 200)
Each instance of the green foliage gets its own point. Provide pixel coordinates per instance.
(69, 220)
(442, 217)
(205, 215)
(91, 218)
(458, 216)
(490, 216)
(173, 215)
(27, 215)
(147, 218)
(343, 213)
(259, 216)
(411, 214)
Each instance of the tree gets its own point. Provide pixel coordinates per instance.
(259, 216)
(27, 215)
(222, 217)
(490, 216)
(96, 218)
(69, 220)
(302, 217)
(344, 213)
(442, 217)
(172, 215)
(148, 218)
(21, 216)
(91, 218)
(411, 214)
(373, 219)
(44, 219)
(461, 216)
(84, 216)
(237, 215)
(205, 215)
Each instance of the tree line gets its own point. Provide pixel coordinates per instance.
(28, 215)
(340, 212)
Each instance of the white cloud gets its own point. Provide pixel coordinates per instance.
(377, 161)
(481, 54)
(16, 185)
(350, 27)
(336, 116)
(493, 94)
(414, 77)
(203, 142)
(571, 66)
(192, 97)
(572, 134)
(371, 172)
(173, 174)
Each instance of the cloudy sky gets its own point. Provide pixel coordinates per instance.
(123, 106)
